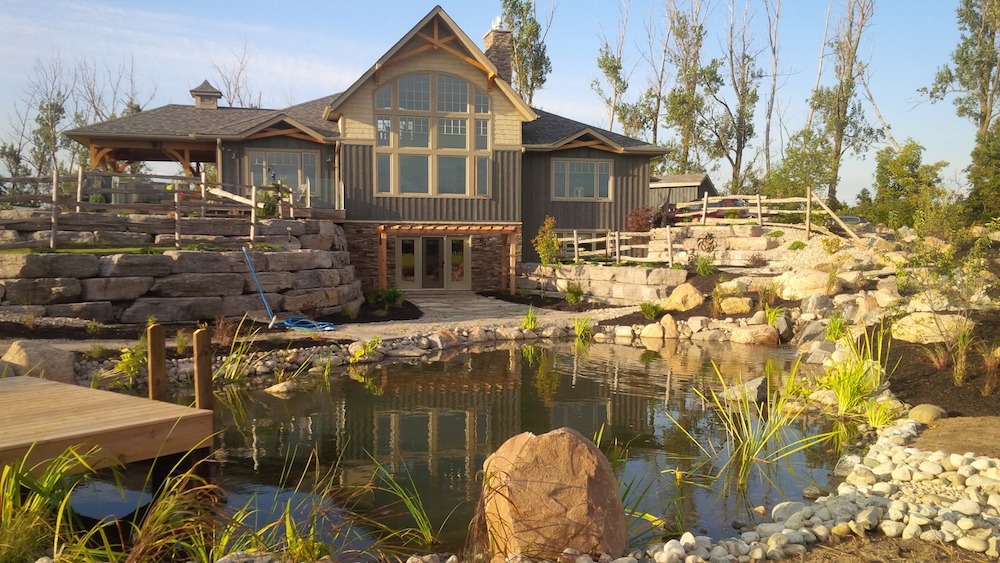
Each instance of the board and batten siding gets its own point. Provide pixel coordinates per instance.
(630, 189)
(361, 204)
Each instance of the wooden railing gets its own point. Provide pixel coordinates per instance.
(177, 196)
(619, 246)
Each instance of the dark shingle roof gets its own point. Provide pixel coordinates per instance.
(206, 88)
(178, 121)
(550, 129)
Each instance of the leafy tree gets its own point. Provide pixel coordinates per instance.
(973, 78)
(529, 61)
(686, 101)
(983, 202)
(731, 121)
(546, 241)
(841, 114)
(609, 62)
(905, 188)
(808, 164)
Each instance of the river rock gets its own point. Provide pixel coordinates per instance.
(653, 331)
(669, 326)
(545, 493)
(793, 286)
(736, 305)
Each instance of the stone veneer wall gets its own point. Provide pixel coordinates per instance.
(487, 256)
(731, 245)
(628, 285)
(176, 285)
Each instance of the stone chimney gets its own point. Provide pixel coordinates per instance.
(206, 96)
(498, 45)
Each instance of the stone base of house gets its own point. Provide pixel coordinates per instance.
(489, 259)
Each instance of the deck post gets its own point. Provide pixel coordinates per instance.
(809, 215)
(760, 212)
(576, 246)
(79, 187)
(202, 369)
(156, 361)
(55, 206)
(253, 215)
(204, 195)
(512, 261)
(618, 247)
(670, 246)
(177, 218)
(704, 208)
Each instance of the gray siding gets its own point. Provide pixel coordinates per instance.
(659, 196)
(630, 185)
(503, 205)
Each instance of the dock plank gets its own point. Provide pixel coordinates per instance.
(47, 417)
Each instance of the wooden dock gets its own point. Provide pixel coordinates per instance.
(47, 417)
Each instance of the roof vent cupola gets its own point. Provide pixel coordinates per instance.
(206, 96)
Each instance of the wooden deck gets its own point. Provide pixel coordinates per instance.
(48, 417)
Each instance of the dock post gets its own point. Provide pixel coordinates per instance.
(202, 369)
(156, 362)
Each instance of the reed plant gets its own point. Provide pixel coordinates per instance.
(959, 351)
(238, 364)
(857, 378)
(530, 320)
(422, 533)
(772, 314)
(532, 353)
(991, 365)
(837, 327)
(582, 331)
(757, 433)
(937, 354)
(182, 339)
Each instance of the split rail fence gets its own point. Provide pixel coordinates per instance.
(618, 246)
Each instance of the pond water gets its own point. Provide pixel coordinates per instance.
(436, 423)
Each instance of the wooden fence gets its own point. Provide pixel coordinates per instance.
(176, 196)
(759, 210)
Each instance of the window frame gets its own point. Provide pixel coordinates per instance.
(597, 162)
(472, 122)
(301, 165)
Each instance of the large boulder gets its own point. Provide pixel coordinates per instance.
(796, 285)
(927, 328)
(736, 305)
(757, 335)
(27, 357)
(683, 298)
(546, 493)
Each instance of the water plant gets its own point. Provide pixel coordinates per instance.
(581, 329)
(238, 363)
(574, 294)
(530, 320)
(772, 314)
(366, 349)
(650, 310)
(422, 533)
(837, 327)
(855, 380)
(756, 432)
(532, 353)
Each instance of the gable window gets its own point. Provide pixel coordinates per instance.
(297, 170)
(581, 179)
(432, 137)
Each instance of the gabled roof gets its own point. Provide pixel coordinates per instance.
(477, 56)
(684, 181)
(553, 132)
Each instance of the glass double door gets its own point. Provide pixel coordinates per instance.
(433, 263)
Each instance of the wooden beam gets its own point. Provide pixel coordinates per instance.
(273, 133)
(383, 253)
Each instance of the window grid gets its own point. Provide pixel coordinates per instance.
(583, 180)
(413, 158)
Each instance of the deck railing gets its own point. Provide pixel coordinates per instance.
(177, 196)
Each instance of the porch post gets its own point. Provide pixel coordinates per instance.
(382, 256)
(512, 261)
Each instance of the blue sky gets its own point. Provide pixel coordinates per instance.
(307, 49)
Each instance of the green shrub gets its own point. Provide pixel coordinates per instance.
(705, 266)
(775, 234)
(574, 294)
(831, 244)
(757, 260)
(797, 245)
(546, 242)
(650, 310)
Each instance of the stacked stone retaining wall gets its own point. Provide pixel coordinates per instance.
(176, 286)
(603, 284)
(729, 245)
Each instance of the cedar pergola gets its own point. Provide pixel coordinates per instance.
(508, 241)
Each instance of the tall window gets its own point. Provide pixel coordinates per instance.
(581, 179)
(294, 169)
(432, 137)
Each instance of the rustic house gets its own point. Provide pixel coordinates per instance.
(437, 169)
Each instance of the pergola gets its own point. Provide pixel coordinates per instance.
(508, 242)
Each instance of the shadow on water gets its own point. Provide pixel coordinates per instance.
(436, 422)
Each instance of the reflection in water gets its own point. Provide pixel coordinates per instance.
(439, 421)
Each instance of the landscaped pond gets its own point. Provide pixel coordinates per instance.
(435, 423)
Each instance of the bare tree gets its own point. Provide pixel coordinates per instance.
(50, 86)
(819, 64)
(773, 10)
(109, 92)
(235, 80)
(886, 130)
